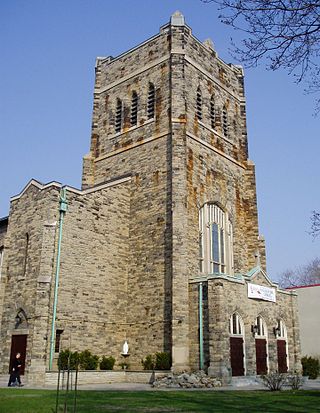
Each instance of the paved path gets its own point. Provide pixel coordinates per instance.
(309, 385)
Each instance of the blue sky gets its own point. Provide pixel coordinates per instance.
(48, 50)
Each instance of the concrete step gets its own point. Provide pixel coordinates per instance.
(241, 381)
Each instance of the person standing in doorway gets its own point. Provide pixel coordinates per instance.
(15, 372)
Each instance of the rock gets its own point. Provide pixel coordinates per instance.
(187, 381)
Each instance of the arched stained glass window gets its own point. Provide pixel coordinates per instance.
(215, 240)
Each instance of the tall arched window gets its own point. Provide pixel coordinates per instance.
(215, 240)
(262, 331)
(212, 113)
(151, 101)
(225, 122)
(236, 327)
(134, 109)
(281, 330)
(237, 347)
(282, 346)
(261, 338)
(118, 117)
(199, 104)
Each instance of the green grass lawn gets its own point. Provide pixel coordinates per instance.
(43, 401)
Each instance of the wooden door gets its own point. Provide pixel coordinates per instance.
(261, 356)
(237, 356)
(282, 356)
(18, 345)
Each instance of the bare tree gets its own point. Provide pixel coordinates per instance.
(303, 275)
(315, 224)
(284, 32)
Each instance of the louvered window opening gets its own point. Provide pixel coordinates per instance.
(151, 102)
(134, 109)
(225, 121)
(118, 119)
(212, 114)
(199, 105)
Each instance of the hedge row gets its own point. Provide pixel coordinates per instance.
(84, 360)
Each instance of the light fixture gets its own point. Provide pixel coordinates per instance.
(18, 320)
(277, 331)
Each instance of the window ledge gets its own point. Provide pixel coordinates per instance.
(215, 132)
(132, 128)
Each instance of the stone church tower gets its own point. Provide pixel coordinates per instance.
(161, 246)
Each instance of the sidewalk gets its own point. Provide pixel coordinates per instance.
(309, 385)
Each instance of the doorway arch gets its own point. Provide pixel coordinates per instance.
(261, 342)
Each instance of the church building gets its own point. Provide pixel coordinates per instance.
(160, 248)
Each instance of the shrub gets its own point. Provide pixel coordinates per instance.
(295, 381)
(274, 381)
(88, 361)
(163, 361)
(107, 363)
(310, 367)
(158, 361)
(149, 363)
(68, 357)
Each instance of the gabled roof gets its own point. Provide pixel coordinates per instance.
(254, 272)
(37, 184)
(112, 182)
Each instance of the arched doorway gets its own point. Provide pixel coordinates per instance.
(19, 339)
(261, 340)
(282, 347)
(237, 354)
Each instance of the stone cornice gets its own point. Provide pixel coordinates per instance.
(132, 146)
(163, 59)
(224, 155)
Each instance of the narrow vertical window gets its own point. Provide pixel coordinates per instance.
(134, 109)
(225, 121)
(262, 327)
(26, 252)
(151, 101)
(58, 341)
(199, 105)
(201, 240)
(1, 259)
(212, 113)
(118, 118)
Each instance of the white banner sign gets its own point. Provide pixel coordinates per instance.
(261, 292)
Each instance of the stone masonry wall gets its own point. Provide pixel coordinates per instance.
(3, 233)
(217, 165)
(28, 268)
(143, 152)
(92, 299)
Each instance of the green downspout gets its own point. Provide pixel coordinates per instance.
(62, 210)
(200, 326)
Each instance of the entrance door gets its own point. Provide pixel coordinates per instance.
(282, 356)
(236, 356)
(261, 356)
(18, 345)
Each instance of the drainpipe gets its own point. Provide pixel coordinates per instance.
(201, 326)
(62, 210)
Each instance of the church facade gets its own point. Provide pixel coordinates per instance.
(161, 246)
